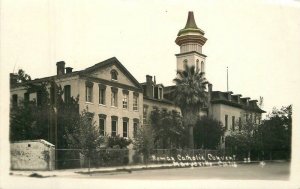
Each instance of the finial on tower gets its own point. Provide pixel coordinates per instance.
(190, 23)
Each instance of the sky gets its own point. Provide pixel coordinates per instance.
(258, 41)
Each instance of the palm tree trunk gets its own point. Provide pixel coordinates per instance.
(191, 137)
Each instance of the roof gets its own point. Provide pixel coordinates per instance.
(190, 25)
(84, 72)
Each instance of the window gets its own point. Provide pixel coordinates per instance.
(226, 122)
(15, 100)
(114, 97)
(67, 94)
(240, 123)
(114, 75)
(102, 126)
(125, 129)
(89, 92)
(135, 126)
(156, 92)
(233, 123)
(114, 127)
(145, 109)
(26, 97)
(135, 102)
(202, 66)
(125, 99)
(102, 89)
(39, 97)
(197, 64)
(160, 93)
(185, 63)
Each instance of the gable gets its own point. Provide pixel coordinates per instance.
(103, 70)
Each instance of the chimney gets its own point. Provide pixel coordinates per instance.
(149, 86)
(13, 78)
(154, 81)
(60, 68)
(210, 86)
(229, 95)
(69, 70)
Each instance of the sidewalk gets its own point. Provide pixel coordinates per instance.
(78, 172)
(85, 171)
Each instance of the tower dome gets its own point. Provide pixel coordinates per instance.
(191, 39)
(190, 33)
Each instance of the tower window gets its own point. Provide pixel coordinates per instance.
(197, 64)
(185, 63)
(202, 66)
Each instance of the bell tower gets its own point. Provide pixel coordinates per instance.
(191, 39)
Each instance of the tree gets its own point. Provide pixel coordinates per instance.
(207, 133)
(117, 141)
(143, 141)
(30, 119)
(244, 138)
(276, 132)
(190, 96)
(167, 127)
(84, 135)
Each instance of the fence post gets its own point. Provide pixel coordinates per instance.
(89, 164)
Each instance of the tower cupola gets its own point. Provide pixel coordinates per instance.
(191, 39)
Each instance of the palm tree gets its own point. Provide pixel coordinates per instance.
(190, 96)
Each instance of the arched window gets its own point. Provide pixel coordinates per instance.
(185, 63)
(114, 75)
(197, 64)
(202, 66)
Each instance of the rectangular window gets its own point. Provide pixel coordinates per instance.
(15, 100)
(156, 92)
(114, 127)
(145, 109)
(39, 98)
(89, 93)
(240, 123)
(160, 93)
(233, 123)
(114, 97)
(226, 122)
(102, 96)
(125, 129)
(67, 94)
(26, 97)
(102, 126)
(135, 127)
(125, 100)
(135, 103)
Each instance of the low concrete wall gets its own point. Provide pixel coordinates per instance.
(32, 155)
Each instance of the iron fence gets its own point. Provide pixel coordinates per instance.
(77, 158)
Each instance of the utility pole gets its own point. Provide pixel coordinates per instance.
(227, 80)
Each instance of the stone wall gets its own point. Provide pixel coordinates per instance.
(32, 155)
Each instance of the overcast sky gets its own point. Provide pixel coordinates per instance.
(258, 40)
